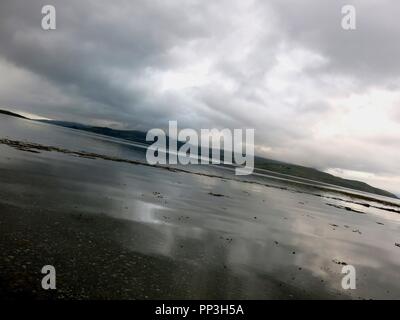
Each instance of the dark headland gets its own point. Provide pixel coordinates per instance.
(12, 114)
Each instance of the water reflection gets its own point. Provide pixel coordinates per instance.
(177, 240)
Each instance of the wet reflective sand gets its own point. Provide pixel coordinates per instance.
(122, 230)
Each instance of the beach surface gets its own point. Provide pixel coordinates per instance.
(117, 228)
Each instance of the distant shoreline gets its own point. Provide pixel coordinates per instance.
(278, 167)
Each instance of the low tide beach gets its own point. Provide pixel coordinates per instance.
(114, 227)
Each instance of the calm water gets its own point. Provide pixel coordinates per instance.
(255, 241)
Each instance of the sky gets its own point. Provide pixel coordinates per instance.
(316, 94)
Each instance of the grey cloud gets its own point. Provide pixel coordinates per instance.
(368, 53)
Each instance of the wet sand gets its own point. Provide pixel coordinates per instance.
(117, 229)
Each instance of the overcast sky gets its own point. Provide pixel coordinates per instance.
(316, 94)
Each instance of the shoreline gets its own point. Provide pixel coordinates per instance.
(35, 148)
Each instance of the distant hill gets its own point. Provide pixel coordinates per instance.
(260, 163)
(132, 135)
(314, 174)
(12, 114)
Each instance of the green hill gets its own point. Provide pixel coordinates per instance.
(317, 175)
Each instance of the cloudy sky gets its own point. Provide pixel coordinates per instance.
(316, 94)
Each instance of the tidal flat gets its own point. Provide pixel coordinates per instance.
(116, 228)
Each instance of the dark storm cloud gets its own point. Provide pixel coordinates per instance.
(96, 49)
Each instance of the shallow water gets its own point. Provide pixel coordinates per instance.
(270, 239)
